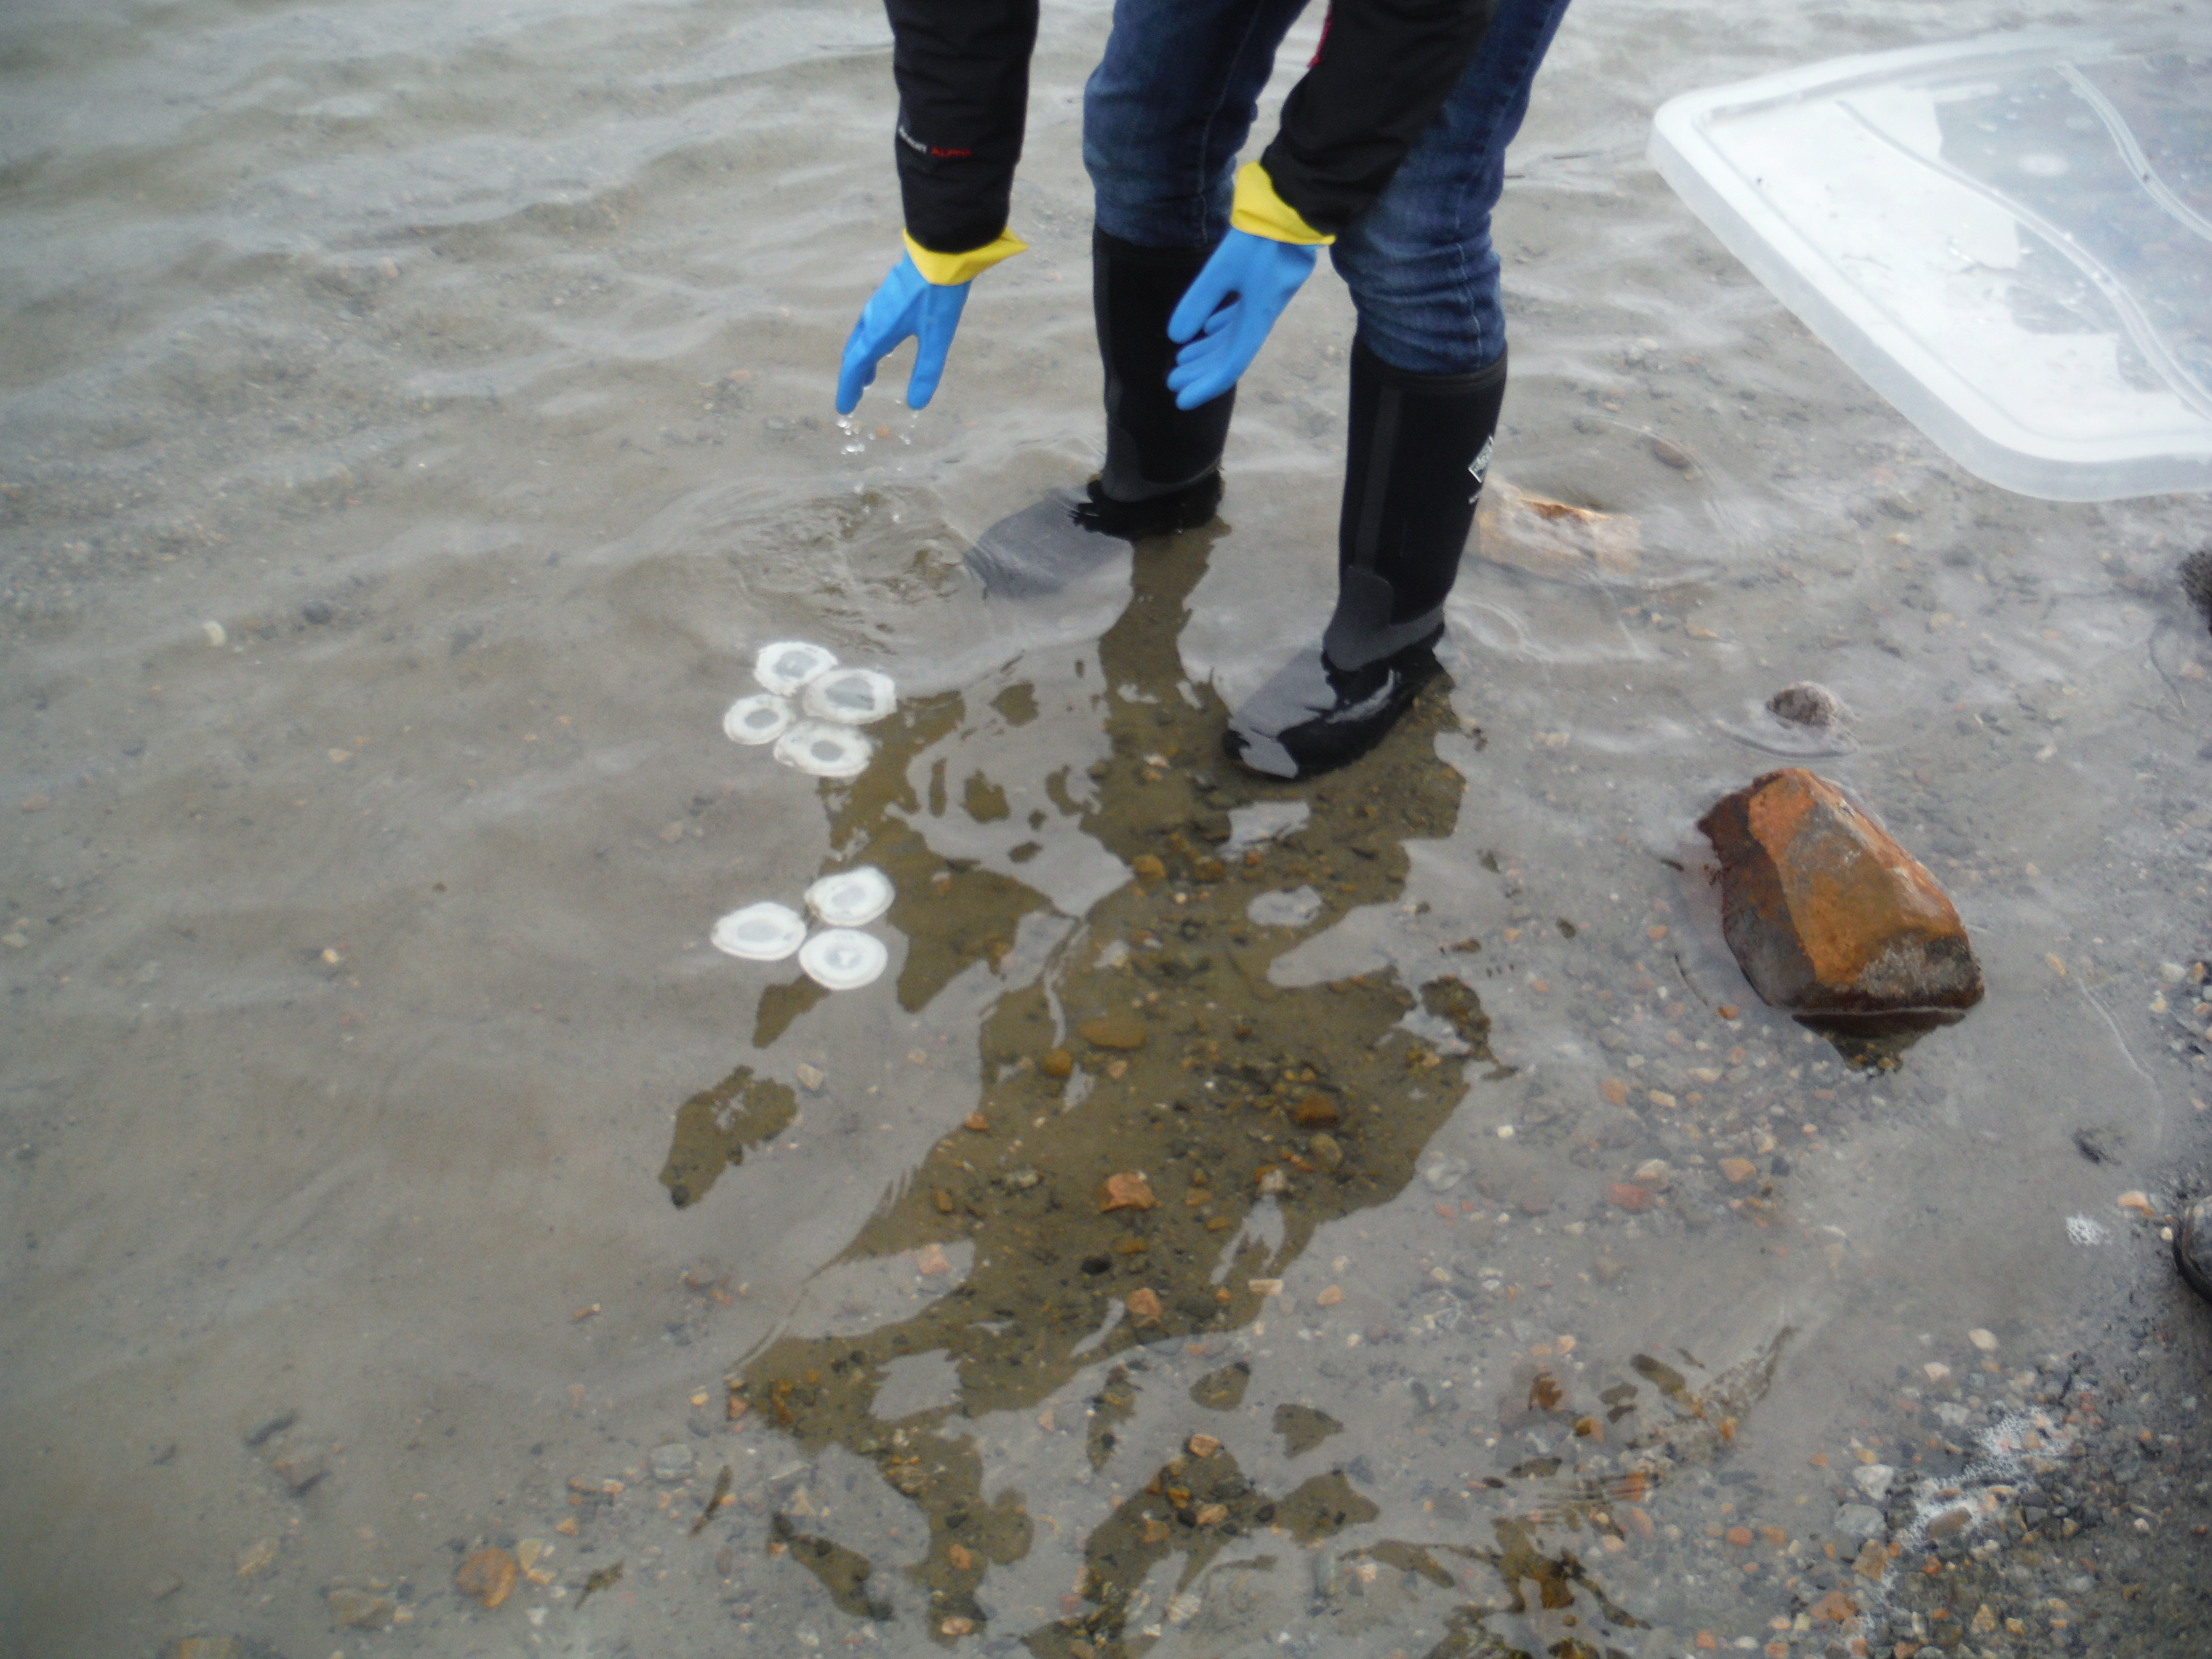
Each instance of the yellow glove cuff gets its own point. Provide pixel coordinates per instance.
(1258, 211)
(950, 270)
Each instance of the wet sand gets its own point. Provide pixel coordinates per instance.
(413, 423)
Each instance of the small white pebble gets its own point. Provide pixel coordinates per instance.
(1506, 1131)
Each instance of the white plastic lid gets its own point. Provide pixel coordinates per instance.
(852, 696)
(851, 898)
(760, 933)
(843, 960)
(761, 718)
(2007, 237)
(823, 751)
(789, 663)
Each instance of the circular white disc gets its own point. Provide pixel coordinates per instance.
(760, 933)
(825, 751)
(761, 718)
(789, 663)
(843, 960)
(851, 898)
(851, 696)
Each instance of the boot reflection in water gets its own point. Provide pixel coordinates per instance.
(1181, 1086)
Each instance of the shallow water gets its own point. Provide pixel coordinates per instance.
(414, 419)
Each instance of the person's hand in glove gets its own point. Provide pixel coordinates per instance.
(1226, 314)
(922, 298)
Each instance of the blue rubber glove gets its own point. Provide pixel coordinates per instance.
(907, 303)
(1220, 336)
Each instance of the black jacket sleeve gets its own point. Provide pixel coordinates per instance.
(963, 68)
(1384, 69)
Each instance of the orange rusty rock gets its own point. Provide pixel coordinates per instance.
(489, 1575)
(1144, 1305)
(1835, 1607)
(1057, 1063)
(1825, 913)
(1630, 1198)
(1314, 1112)
(1126, 1192)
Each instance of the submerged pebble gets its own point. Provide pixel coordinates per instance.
(844, 960)
(851, 898)
(760, 933)
(822, 750)
(851, 696)
(789, 665)
(1806, 704)
(761, 718)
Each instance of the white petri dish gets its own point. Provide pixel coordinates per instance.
(789, 663)
(851, 898)
(761, 718)
(823, 751)
(843, 960)
(851, 696)
(760, 933)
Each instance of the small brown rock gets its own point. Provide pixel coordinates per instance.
(1144, 1305)
(963, 1559)
(1668, 453)
(257, 1558)
(1622, 1196)
(1210, 869)
(1807, 704)
(1113, 1031)
(488, 1575)
(1825, 913)
(1057, 1063)
(976, 1123)
(1201, 1445)
(1148, 868)
(1314, 1112)
(1212, 1515)
(1836, 1607)
(299, 1470)
(1126, 1192)
(1738, 1168)
(1948, 1523)
(1327, 1154)
(358, 1609)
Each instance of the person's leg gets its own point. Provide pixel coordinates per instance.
(1165, 116)
(1428, 378)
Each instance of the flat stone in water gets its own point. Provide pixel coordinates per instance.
(823, 751)
(761, 718)
(1292, 910)
(760, 933)
(851, 898)
(1113, 1031)
(788, 665)
(671, 1462)
(851, 696)
(844, 960)
(1855, 1523)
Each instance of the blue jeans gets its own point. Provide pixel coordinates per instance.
(1166, 112)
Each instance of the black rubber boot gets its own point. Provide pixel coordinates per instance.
(2192, 1246)
(1163, 471)
(1156, 455)
(1419, 448)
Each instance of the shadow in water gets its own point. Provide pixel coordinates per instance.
(1876, 1042)
(1152, 1042)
